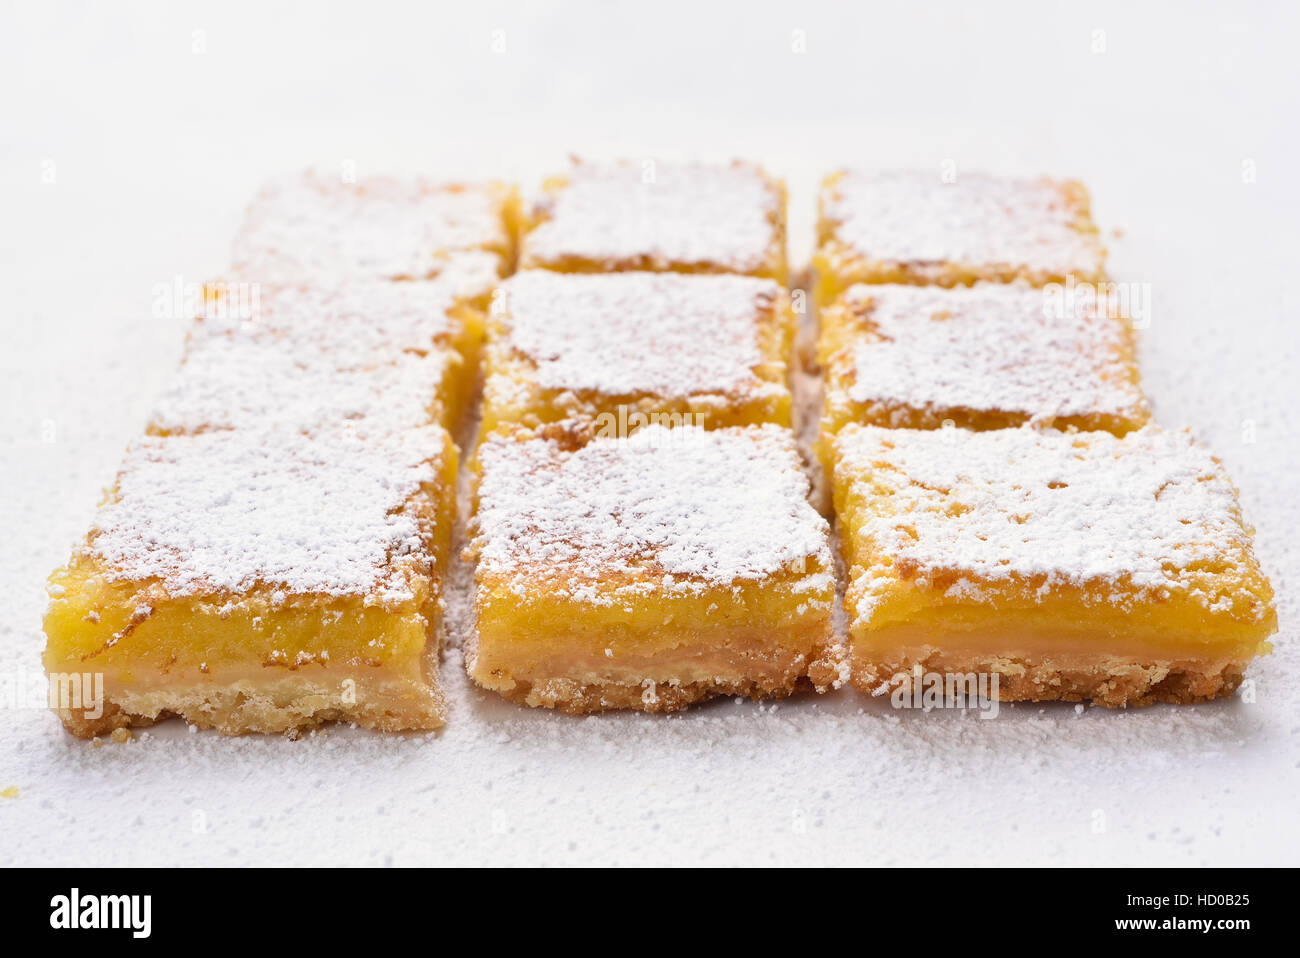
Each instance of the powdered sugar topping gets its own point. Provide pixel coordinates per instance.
(664, 510)
(227, 511)
(917, 218)
(724, 217)
(354, 324)
(991, 347)
(629, 333)
(250, 380)
(1036, 505)
(317, 226)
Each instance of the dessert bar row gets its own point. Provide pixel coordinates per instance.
(272, 554)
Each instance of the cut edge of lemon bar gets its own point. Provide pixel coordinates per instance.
(1071, 566)
(650, 572)
(260, 581)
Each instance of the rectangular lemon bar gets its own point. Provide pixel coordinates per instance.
(262, 581)
(914, 227)
(987, 356)
(1067, 566)
(317, 226)
(369, 354)
(628, 349)
(647, 215)
(648, 572)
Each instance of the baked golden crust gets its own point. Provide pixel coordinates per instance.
(1107, 680)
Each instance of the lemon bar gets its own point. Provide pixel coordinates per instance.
(644, 215)
(648, 572)
(627, 349)
(262, 581)
(913, 227)
(1071, 566)
(244, 382)
(315, 226)
(373, 354)
(987, 356)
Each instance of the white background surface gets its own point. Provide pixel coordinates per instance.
(154, 149)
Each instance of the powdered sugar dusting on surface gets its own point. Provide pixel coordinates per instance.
(679, 509)
(628, 333)
(317, 226)
(249, 380)
(915, 217)
(227, 511)
(355, 323)
(999, 347)
(1066, 508)
(687, 214)
(308, 357)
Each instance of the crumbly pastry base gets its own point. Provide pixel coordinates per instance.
(1112, 681)
(585, 688)
(286, 703)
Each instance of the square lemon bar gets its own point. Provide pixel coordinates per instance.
(645, 215)
(1067, 566)
(986, 356)
(317, 226)
(648, 572)
(262, 581)
(368, 354)
(628, 349)
(912, 227)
